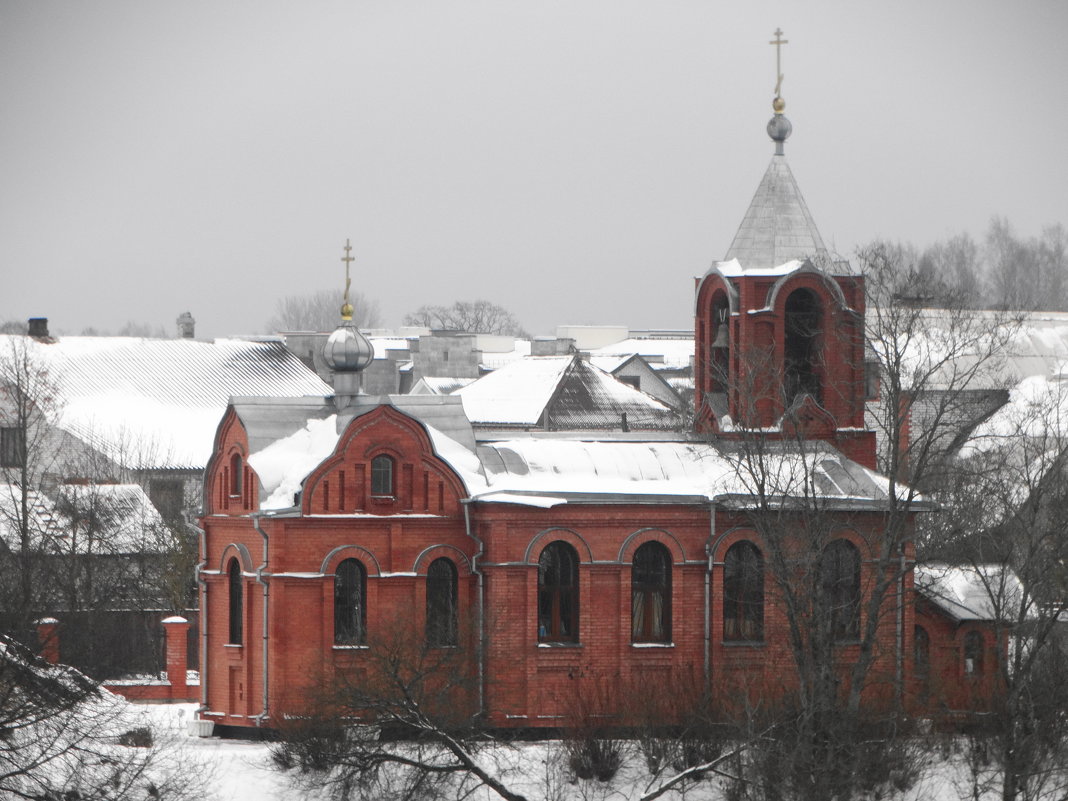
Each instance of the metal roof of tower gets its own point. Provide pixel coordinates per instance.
(778, 226)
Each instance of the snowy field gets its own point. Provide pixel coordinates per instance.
(241, 771)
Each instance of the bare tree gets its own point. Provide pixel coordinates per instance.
(477, 317)
(321, 311)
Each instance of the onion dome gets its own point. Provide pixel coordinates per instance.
(347, 350)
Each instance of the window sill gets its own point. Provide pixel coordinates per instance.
(233, 645)
(652, 645)
(559, 645)
(351, 647)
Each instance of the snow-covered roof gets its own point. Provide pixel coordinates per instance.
(155, 403)
(979, 592)
(439, 385)
(569, 468)
(86, 518)
(560, 392)
(495, 359)
(659, 353)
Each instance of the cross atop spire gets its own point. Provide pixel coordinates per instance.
(778, 42)
(346, 308)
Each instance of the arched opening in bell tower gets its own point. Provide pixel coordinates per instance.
(802, 346)
(719, 347)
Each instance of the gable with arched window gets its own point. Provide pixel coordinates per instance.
(237, 597)
(840, 584)
(743, 593)
(650, 594)
(350, 609)
(441, 604)
(558, 598)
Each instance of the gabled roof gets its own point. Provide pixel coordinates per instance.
(778, 226)
(560, 392)
(155, 403)
(979, 592)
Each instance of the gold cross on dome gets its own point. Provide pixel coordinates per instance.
(348, 259)
(778, 42)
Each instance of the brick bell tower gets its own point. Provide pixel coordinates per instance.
(780, 324)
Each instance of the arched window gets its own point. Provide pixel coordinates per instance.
(382, 475)
(921, 652)
(350, 611)
(743, 593)
(719, 348)
(236, 474)
(802, 330)
(558, 594)
(840, 580)
(973, 653)
(441, 603)
(237, 597)
(650, 594)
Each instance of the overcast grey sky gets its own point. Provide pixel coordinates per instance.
(577, 161)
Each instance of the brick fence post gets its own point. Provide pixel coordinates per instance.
(177, 629)
(48, 637)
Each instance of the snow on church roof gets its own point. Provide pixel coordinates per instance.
(156, 403)
(562, 468)
(972, 592)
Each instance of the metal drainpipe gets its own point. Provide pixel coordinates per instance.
(202, 592)
(899, 668)
(480, 614)
(266, 597)
(708, 597)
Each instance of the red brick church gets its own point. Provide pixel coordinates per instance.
(628, 558)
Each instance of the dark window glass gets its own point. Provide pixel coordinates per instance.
(743, 593)
(650, 594)
(235, 475)
(441, 603)
(350, 612)
(802, 346)
(382, 475)
(558, 594)
(237, 612)
(973, 653)
(921, 652)
(12, 447)
(841, 589)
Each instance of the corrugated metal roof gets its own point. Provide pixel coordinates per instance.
(155, 403)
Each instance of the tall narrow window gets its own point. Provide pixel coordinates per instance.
(558, 594)
(743, 593)
(235, 475)
(840, 580)
(12, 447)
(973, 653)
(237, 597)
(650, 594)
(441, 604)
(802, 329)
(382, 476)
(921, 652)
(350, 612)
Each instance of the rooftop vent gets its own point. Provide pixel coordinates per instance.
(38, 327)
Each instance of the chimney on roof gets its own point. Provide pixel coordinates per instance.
(38, 327)
(185, 323)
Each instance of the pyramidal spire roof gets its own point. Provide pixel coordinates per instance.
(778, 226)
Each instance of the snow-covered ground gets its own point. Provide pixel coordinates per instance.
(241, 771)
